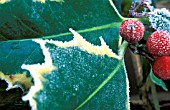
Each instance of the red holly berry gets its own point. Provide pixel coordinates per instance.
(158, 43)
(132, 30)
(161, 67)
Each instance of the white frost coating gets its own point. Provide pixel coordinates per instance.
(16, 80)
(127, 93)
(79, 41)
(10, 85)
(33, 89)
(127, 90)
(36, 71)
(160, 19)
(45, 51)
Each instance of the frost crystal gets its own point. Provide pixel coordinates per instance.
(160, 19)
(138, 1)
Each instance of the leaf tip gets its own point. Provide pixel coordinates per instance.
(17, 80)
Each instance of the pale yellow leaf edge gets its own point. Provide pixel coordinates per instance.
(38, 70)
(17, 80)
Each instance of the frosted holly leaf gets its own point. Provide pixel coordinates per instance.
(160, 19)
(68, 68)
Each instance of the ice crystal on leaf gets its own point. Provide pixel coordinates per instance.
(160, 19)
(138, 1)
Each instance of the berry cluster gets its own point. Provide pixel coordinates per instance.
(157, 45)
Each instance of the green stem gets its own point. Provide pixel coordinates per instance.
(121, 51)
(107, 26)
(122, 48)
(151, 85)
(154, 96)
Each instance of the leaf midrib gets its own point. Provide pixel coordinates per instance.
(122, 52)
(107, 26)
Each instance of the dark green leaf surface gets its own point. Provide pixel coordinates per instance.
(21, 19)
(118, 4)
(90, 18)
(81, 79)
(77, 76)
(158, 81)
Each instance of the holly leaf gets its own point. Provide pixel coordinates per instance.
(158, 81)
(82, 69)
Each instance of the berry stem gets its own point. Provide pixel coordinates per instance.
(122, 48)
(120, 41)
(141, 51)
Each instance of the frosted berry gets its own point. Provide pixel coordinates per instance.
(132, 30)
(161, 67)
(158, 43)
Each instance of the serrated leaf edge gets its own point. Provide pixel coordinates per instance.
(121, 55)
(17, 80)
(79, 41)
(37, 70)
